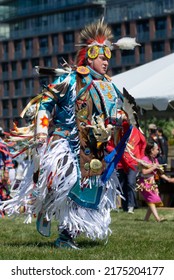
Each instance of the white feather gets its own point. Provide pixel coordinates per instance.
(56, 71)
(127, 43)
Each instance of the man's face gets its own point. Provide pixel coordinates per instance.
(99, 64)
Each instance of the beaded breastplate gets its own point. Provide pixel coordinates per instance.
(108, 96)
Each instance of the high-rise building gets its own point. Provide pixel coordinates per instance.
(41, 32)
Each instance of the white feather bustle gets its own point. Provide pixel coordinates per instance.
(56, 161)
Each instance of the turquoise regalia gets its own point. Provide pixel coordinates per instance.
(69, 186)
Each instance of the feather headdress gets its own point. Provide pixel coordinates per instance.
(95, 34)
(100, 35)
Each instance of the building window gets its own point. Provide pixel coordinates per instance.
(29, 85)
(116, 31)
(128, 57)
(68, 41)
(25, 101)
(24, 65)
(55, 42)
(68, 37)
(116, 71)
(47, 61)
(142, 30)
(35, 62)
(14, 69)
(43, 42)
(158, 46)
(172, 45)
(127, 28)
(6, 88)
(172, 20)
(17, 46)
(29, 44)
(158, 49)
(5, 47)
(18, 87)
(44, 21)
(142, 54)
(4, 67)
(142, 49)
(6, 124)
(38, 21)
(15, 107)
(5, 106)
(161, 28)
(160, 24)
(13, 66)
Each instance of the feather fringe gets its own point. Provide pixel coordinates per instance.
(58, 174)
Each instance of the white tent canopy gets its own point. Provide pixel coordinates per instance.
(152, 84)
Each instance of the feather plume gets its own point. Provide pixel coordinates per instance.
(66, 69)
(130, 107)
(127, 43)
(20, 131)
(50, 71)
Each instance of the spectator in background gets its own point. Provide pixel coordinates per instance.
(163, 143)
(154, 138)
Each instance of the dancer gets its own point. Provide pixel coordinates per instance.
(69, 179)
(146, 183)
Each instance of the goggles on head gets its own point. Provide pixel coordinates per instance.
(94, 51)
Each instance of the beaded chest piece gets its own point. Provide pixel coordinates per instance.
(108, 96)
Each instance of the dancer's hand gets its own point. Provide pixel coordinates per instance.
(155, 166)
(171, 180)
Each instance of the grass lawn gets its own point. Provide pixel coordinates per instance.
(131, 239)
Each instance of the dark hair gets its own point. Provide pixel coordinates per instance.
(152, 130)
(160, 130)
(149, 147)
